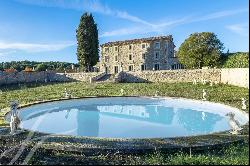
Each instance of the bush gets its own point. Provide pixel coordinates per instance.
(236, 60)
(41, 67)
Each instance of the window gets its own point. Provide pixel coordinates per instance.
(143, 67)
(157, 55)
(130, 68)
(143, 46)
(116, 48)
(166, 48)
(166, 45)
(106, 59)
(157, 45)
(177, 66)
(116, 69)
(106, 49)
(143, 56)
(174, 55)
(116, 58)
(130, 47)
(110, 49)
(130, 57)
(157, 67)
(173, 66)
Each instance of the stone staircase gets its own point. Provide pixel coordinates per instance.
(107, 78)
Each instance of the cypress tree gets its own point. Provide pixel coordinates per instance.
(87, 42)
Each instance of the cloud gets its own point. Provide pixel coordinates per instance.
(160, 27)
(122, 31)
(34, 47)
(98, 7)
(5, 53)
(86, 5)
(219, 14)
(241, 29)
(142, 29)
(143, 26)
(125, 15)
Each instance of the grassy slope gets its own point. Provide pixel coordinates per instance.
(229, 95)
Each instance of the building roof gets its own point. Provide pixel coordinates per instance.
(169, 37)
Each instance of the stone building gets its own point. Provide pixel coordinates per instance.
(154, 53)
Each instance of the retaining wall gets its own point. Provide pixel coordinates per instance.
(7, 78)
(232, 76)
(172, 76)
(235, 76)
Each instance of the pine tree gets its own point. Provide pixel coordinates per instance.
(87, 42)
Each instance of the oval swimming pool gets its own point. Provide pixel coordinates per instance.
(129, 117)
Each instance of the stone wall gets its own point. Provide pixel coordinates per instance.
(7, 78)
(84, 77)
(27, 77)
(235, 76)
(231, 76)
(172, 76)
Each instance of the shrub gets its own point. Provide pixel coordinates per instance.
(237, 60)
(41, 67)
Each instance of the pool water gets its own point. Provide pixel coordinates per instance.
(129, 117)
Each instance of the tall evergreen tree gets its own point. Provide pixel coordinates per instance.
(87, 42)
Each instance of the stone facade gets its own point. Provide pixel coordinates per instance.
(155, 53)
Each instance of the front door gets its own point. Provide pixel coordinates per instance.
(116, 69)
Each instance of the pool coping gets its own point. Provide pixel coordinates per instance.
(129, 145)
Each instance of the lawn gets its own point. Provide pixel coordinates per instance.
(230, 95)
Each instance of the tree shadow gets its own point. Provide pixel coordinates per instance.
(130, 78)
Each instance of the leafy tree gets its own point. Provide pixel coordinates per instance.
(17, 67)
(6, 65)
(41, 67)
(87, 42)
(200, 49)
(21, 65)
(1, 67)
(60, 68)
(237, 60)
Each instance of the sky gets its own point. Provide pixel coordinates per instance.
(45, 30)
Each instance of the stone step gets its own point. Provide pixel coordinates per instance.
(106, 78)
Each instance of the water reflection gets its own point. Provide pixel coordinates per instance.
(154, 114)
(123, 120)
(88, 123)
(191, 120)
